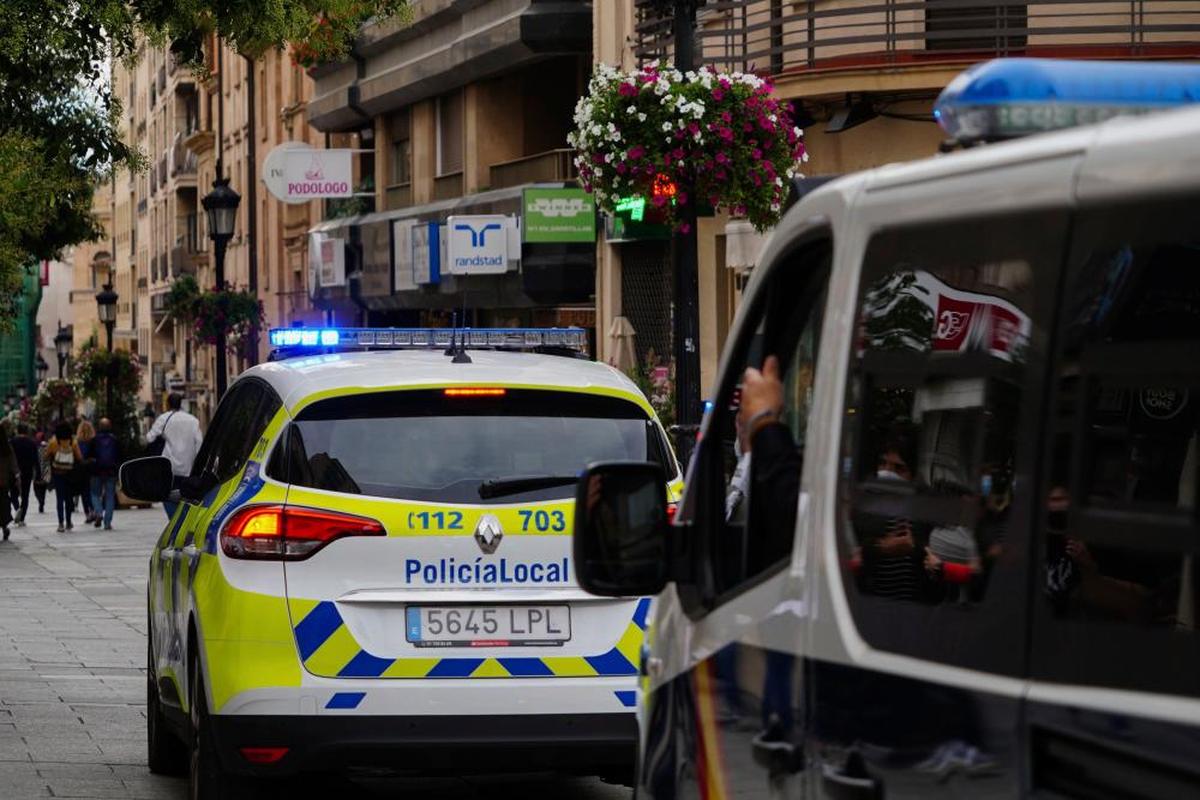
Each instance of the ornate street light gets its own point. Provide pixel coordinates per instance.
(62, 348)
(106, 305)
(41, 367)
(220, 207)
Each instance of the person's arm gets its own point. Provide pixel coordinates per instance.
(157, 428)
(78, 452)
(197, 437)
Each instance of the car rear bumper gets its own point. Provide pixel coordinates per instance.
(600, 743)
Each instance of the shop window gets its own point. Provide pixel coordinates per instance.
(938, 450)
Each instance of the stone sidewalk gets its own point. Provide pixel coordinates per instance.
(72, 676)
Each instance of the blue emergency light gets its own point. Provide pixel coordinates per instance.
(300, 340)
(1009, 97)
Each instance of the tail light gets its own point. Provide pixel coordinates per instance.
(289, 534)
(263, 755)
(672, 508)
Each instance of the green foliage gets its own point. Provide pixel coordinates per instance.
(95, 366)
(225, 315)
(55, 394)
(181, 298)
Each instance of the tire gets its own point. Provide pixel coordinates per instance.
(166, 754)
(207, 779)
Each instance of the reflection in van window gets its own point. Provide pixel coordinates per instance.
(1121, 532)
(942, 390)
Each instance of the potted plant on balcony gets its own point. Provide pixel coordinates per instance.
(331, 33)
(647, 132)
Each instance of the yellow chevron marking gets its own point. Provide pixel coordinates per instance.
(410, 667)
(300, 608)
(569, 666)
(630, 644)
(490, 668)
(334, 653)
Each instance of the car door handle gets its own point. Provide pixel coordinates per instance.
(189, 550)
(840, 786)
(778, 757)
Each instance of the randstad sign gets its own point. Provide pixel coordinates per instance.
(558, 215)
(296, 173)
(477, 244)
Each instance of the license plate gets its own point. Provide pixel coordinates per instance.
(488, 626)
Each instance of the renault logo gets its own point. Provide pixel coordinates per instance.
(488, 533)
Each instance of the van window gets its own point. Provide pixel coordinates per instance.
(938, 446)
(1120, 593)
(738, 543)
(424, 445)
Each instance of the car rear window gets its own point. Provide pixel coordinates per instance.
(429, 446)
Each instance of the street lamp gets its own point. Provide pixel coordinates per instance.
(685, 257)
(41, 367)
(106, 304)
(62, 348)
(220, 207)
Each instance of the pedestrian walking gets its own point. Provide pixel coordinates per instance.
(106, 452)
(81, 476)
(180, 435)
(63, 455)
(26, 450)
(41, 480)
(10, 478)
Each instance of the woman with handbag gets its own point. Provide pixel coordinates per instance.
(63, 454)
(81, 478)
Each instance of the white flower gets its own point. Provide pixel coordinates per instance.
(680, 162)
(608, 158)
(778, 181)
(641, 117)
(596, 130)
(598, 172)
(697, 137)
(666, 126)
(631, 110)
(798, 132)
(805, 156)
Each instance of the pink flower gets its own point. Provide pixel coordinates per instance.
(597, 159)
(685, 228)
(718, 94)
(621, 168)
(722, 158)
(693, 128)
(636, 152)
(627, 90)
(726, 134)
(756, 154)
(677, 153)
(726, 117)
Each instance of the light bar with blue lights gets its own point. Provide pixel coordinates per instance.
(1010, 97)
(302, 339)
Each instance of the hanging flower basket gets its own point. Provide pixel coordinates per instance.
(55, 394)
(225, 316)
(723, 134)
(96, 365)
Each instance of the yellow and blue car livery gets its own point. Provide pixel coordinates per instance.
(378, 571)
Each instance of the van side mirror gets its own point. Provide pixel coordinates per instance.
(147, 479)
(621, 529)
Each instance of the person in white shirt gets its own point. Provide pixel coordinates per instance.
(180, 432)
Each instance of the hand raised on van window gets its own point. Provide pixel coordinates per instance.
(762, 399)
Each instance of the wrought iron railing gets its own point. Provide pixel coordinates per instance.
(782, 36)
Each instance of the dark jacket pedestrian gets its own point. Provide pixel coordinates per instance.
(10, 477)
(26, 450)
(106, 455)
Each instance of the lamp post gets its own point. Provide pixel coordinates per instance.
(684, 259)
(62, 348)
(106, 306)
(220, 207)
(42, 368)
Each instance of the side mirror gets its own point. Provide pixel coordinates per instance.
(147, 479)
(621, 528)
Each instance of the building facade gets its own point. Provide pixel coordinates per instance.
(861, 77)
(460, 109)
(190, 130)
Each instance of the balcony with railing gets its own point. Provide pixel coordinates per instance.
(549, 167)
(781, 37)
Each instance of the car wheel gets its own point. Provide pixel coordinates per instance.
(207, 780)
(166, 754)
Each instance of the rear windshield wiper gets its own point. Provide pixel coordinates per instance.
(498, 487)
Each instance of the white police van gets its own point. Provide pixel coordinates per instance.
(991, 585)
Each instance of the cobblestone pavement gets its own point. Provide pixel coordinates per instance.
(72, 676)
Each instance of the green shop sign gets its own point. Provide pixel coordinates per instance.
(558, 215)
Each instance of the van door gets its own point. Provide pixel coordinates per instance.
(1117, 596)
(727, 723)
(940, 437)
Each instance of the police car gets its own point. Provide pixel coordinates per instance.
(977, 573)
(371, 566)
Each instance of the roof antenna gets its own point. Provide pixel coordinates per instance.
(461, 356)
